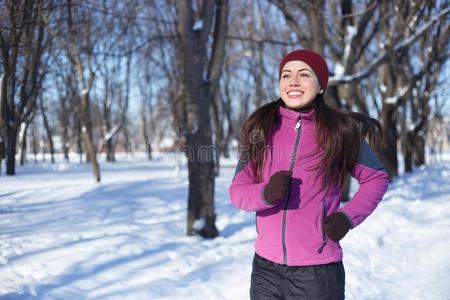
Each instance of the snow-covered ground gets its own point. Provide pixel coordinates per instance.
(63, 236)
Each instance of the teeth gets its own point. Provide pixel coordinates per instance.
(294, 93)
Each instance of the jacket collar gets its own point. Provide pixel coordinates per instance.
(286, 113)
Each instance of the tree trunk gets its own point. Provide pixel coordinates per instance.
(3, 91)
(316, 25)
(145, 138)
(200, 79)
(64, 123)
(11, 134)
(107, 123)
(86, 136)
(47, 130)
(258, 75)
(200, 155)
(409, 146)
(2, 153)
(66, 148)
(419, 151)
(149, 150)
(218, 126)
(80, 143)
(126, 136)
(227, 111)
(406, 137)
(43, 147)
(201, 187)
(389, 150)
(110, 150)
(34, 143)
(23, 143)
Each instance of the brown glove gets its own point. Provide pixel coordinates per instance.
(336, 226)
(277, 187)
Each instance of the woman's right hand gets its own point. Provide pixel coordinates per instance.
(277, 187)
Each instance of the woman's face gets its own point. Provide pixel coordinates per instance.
(299, 85)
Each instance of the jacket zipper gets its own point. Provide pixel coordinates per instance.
(324, 215)
(324, 235)
(298, 128)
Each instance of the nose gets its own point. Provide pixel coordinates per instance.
(294, 81)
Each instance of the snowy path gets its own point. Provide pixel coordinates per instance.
(62, 236)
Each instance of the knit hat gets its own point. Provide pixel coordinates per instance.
(312, 59)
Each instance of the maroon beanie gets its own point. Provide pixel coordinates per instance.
(312, 59)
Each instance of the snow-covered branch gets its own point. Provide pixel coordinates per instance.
(112, 132)
(394, 99)
(337, 80)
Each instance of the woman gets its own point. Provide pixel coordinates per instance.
(295, 155)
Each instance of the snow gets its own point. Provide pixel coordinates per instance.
(111, 133)
(392, 100)
(351, 31)
(339, 70)
(198, 25)
(400, 93)
(63, 236)
(413, 126)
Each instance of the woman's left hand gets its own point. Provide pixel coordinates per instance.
(336, 226)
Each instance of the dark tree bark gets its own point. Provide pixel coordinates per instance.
(11, 137)
(23, 138)
(64, 121)
(20, 83)
(200, 80)
(23, 144)
(389, 152)
(48, 130)
(146, 114)
(107, 116)
(77, 131)
(34, 143)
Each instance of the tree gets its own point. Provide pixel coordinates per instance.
(22, 47)
(200, 78)
(364, 42)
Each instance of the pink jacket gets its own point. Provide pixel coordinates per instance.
(290, 232)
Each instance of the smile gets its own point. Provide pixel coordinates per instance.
(294, 93)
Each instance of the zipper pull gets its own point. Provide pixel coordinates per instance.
(299, 124)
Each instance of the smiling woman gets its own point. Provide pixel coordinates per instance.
(296, 195)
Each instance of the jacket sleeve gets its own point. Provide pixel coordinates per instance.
(373, 182)
(245, 192)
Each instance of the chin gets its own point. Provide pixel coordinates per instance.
(295, 105)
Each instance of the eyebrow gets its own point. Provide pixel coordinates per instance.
(304, 69)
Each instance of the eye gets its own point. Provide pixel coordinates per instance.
(304, 75)
(285, 76)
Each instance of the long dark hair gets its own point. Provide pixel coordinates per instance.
(339, 136)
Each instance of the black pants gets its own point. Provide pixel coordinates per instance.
(274, 281)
